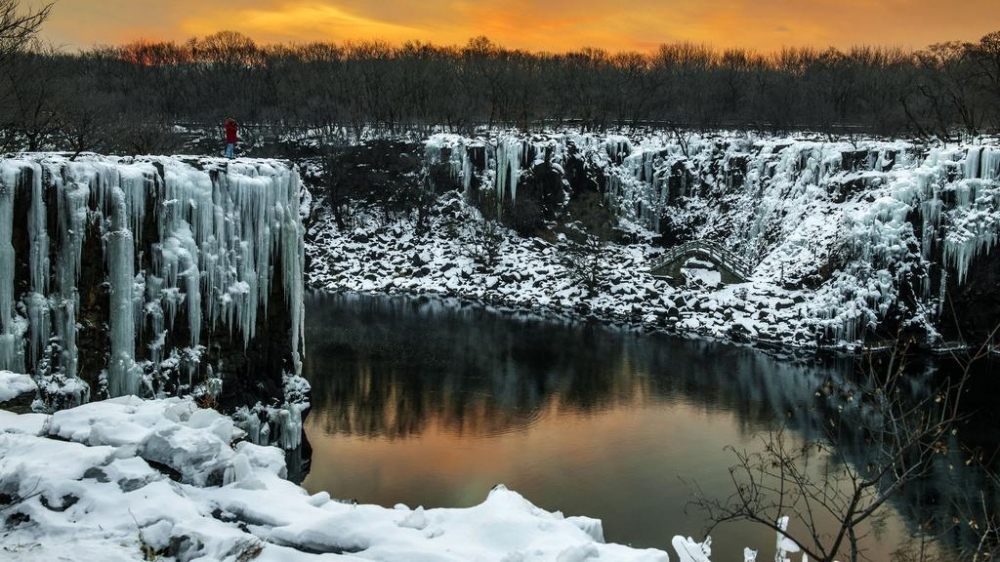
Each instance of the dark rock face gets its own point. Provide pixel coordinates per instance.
(974, 312)
(152, 275)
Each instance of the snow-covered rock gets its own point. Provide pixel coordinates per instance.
(842, 238)
(89, 497)
(13, 385)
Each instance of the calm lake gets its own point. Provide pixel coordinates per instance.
(432, 402)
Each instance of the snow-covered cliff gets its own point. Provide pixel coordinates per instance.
(150, 275)
(881, 234)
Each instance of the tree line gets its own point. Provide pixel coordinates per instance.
(132, 97)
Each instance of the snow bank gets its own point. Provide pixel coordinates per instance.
(13, 385)
(128, 479)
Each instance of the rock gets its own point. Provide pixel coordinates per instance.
(783, 304)
(741, 333)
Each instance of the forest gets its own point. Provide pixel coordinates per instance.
(148, 97)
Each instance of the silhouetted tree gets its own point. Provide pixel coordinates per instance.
(18, 27)
(365, 89)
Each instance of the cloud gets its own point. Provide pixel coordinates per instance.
(554, 25)
(299, 22)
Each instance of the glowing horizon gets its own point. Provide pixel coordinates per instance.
(559, 26)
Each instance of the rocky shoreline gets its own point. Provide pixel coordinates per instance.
(541, 277)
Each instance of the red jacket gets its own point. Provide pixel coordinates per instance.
(231, 128)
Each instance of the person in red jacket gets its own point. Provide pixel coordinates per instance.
(231, 128)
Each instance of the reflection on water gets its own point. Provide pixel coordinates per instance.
(431, 402)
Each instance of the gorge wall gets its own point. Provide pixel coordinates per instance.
(880, 236)
(151, 276)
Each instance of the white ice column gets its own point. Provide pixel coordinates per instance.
(72, 212)
(509, 152)
(8, 351)
(122, 373)
(39, 320)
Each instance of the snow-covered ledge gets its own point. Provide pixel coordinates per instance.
(127, 479)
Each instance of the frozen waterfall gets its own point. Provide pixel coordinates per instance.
(866, 225)
(202, 241)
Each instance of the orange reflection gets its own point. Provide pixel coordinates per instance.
(470, 451)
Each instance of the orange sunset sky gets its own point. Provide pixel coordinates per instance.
(537, 25)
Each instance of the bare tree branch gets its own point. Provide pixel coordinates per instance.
(18, 27)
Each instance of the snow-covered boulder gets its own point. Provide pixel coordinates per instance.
(97, 498)
(15, 385)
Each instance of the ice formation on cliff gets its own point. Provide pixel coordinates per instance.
(207, 238)
(861, 224)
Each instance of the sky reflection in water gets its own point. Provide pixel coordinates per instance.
(429, 402)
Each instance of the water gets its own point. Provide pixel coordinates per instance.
(429, 402)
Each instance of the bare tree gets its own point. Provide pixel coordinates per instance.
(17, 26)
(949, 85)
(586, 265)
(29, 86)
(877, 441)
(376, 89)
(488, 243)
(986, 56)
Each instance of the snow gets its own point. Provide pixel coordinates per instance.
(13, 385)
(94, 483)
(105, 480)
(29, 424)
(223, 230)
(835, 233)
(711, 278)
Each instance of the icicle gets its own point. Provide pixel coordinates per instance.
(942, 291)
(122, 373)
(11, 175)
(508, 168)
(466, 173)
(288, 420)
(39, 325)
(8, 352)
(990, 164)
(136, 183)
(38, 235)
(193, 285)
(784, 545)
(248, 421)
(68, 336)
(220, 239)
(292, 267)
(72, 196)
(154, 311)
(972, 162)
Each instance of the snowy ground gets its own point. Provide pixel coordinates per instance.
(127, 479)
(533, 274)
